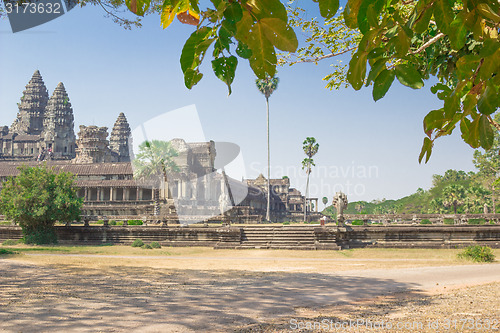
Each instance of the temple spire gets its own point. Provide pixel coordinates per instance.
(58, 124)
(32, 107)
(119, 139)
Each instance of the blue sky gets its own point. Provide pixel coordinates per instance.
(369, 150)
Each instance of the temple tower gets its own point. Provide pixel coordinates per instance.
(119, 140)
(32, 107)
(58, 133)
(93, 146)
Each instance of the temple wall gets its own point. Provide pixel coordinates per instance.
(231, 237)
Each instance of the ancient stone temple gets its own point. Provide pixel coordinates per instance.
(58, 127)
(43, 131)
(93, 146)
(32, 107)
(119, 140)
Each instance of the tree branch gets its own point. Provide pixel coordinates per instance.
(331, 55)
(493, 122)
(429, 43)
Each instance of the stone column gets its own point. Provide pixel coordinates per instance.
(86, 195)
(99, 198)
(111, 193)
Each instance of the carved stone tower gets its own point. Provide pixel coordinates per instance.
(32, 107)
(93, 147)
(118, 142)
(58, 133)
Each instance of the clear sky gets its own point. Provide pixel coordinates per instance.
(369, 150)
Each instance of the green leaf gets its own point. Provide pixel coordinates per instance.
(279, 34)
(490, 66)
(233, 12)
(426, 150)
(192, 77)
(268, 8)
(487, 12)
(423, 16)
(485, 131)
(224, 68)
(466, 66)
(191, 47)
(458, 32)
(375, 70)
(351, 13)
(409, 76)
(363, 24)
(489, 101)
(490, 46)
(357, 69)
(382, 84)
(243, 51)
(376, 52)
(226, 31)
(443, 15)
(138, 7)
(243, 28)
(328, 8)
(263, 60)
(434, 120)
(402, 43)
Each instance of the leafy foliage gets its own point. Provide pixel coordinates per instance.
(155, 245)
(455, 41)
(138, 243)
(6, 251)
(477, 253)
(471, 198)
(37, 198)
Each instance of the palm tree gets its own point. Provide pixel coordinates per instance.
(152, 163)
(310, 148)
(267, 86)
(453, 196)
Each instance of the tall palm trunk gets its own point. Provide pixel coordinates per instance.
(494, 210)
(305, 198)
(268, 213)
(156, 201)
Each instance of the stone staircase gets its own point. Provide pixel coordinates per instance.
(285, 237)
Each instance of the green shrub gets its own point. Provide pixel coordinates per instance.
(358, 222)
(147, 246)
(138, 243)
(6, 251)
(477, 221)
(134, 222)
(155, 245)
(425, 221)
(11, 242)
(99, 222)
(477, 253)
(40, 235)
(286, 223)
(112, 222)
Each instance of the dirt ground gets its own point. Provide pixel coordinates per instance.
(209, 291)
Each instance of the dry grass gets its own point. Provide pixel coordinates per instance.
(248, 260)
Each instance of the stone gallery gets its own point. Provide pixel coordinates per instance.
(43, 132)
